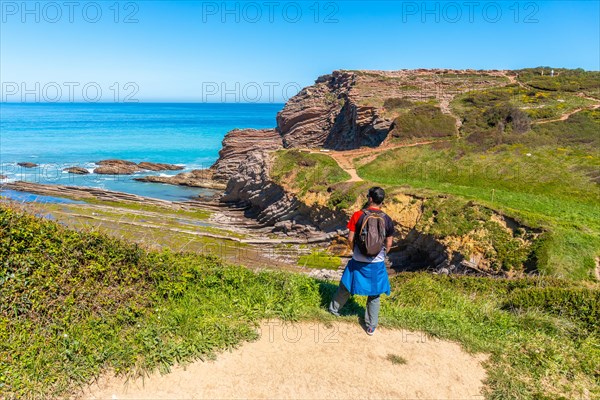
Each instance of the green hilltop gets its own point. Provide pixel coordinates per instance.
(526, 146)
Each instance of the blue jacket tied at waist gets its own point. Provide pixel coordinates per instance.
(366, 279)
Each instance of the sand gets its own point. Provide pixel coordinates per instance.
(314, 361)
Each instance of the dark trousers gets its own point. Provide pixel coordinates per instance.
(371, 310)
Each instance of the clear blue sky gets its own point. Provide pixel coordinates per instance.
(187, 50)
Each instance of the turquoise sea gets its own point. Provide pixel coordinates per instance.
(56, 136)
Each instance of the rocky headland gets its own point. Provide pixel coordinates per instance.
(348, 110)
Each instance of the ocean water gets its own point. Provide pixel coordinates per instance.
(56, 136)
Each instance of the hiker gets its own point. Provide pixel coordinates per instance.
(370, 236)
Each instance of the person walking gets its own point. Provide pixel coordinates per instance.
(370, 236)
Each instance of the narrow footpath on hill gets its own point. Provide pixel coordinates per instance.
(311, 360)
(345, 158)
(568, 114)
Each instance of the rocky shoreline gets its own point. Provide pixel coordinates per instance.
(348, 110)
(124, 167)
(196, 178)
(342, 111)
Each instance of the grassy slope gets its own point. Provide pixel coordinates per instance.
(304, 172)
(544, 189)
(76, 303)
(546, 177)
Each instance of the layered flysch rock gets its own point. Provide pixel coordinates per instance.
(347, 110)
(236, 146)
(116, 167)
(124, 167)
(269, 204)
(150, 166)
(328, 114)
(307, 118)
(195, 178)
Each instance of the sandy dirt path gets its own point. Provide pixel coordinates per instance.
(311, 360)
(566, 115)
(345, 158)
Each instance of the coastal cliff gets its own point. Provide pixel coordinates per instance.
(351, 119)
(252, 188)
(348, 110)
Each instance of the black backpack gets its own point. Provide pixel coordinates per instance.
(370, 234)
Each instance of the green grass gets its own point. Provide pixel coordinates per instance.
(320, 259)
(571, 80)
(550, 189)
(396, 359)
(196, 214)
(533, 353)
(503, 115)
(306, 172)
(76, 304)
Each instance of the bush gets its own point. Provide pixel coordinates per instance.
(344, 195)
(507, 118)
(395, 102)
(424, 121)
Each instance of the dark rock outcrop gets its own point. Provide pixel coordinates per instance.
(150, 166)
(76, 170)
(27, 164)
(116, 167)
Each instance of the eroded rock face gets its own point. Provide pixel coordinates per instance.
(346, 109)
(307, 118)
(76, 170)
(237, 144)
(270, 205)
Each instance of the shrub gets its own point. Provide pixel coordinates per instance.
(424, 121)
(507, 118)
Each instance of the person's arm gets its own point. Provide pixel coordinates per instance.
(351, 239)
(388, 244)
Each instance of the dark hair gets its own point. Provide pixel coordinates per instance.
(376, 194)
